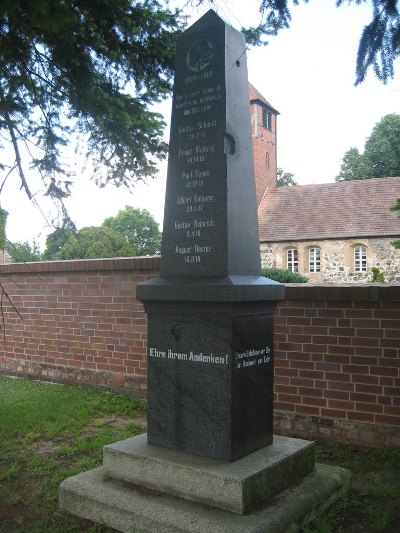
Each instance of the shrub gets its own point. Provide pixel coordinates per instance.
(283, 276)
(377, 276)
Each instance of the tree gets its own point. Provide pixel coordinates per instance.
(379, 44)
(138, 227)
(382, 148)
(284, 179)
(93, 243)
(24, 252)
(89, 67)
(56, 240)
(396, 207)
(3, 223)
(381, 157)
(354, 167)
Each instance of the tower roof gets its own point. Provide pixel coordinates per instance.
(256, 96)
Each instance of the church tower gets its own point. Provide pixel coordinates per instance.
(263, 127)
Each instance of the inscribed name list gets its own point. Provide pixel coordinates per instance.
(195, 219)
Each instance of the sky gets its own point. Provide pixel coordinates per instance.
(306, 72)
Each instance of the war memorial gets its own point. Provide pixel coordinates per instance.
(209, 460)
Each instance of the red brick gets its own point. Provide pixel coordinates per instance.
(389, 343)
(282, 380)
(337, 395)
(392, 410)
(333, 367)
(369, 407)
(386, 419)
(360, 360)
(311, 374)
(342, 332)
(366, 341)
(364, 378)
(392, 391)
(341, 404)
(369, 389)
(331, 313)
(337, 376)
(365, 417)
(392, 333)
(356, 369)
(333, 357)
(341, 350)
(315, 330)
(286, 389)
(302, 364)
(334, 413)
(286, 372)
(289, 398)
(307, 409)
(311, 400)
(363, 397)
(301, 382)
(283, 406)
(306, 391)
(384, 371)
(324, 322)
(385, 380)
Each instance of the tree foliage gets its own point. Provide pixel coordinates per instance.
(24, 252)
(56, 240)
(89, 67)
(139, 228)
(3, 223)
(396, 207)
(284, 179)
(381, 157)
(379, 44)
(93, 243)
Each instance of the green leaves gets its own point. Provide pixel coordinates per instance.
(139, 228)
(92, 243)
(93, 67)
(381, 157)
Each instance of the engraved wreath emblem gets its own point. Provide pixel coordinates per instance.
(199, 55)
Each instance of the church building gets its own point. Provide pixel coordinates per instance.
(330, 232)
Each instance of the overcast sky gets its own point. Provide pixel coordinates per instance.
(306, 72)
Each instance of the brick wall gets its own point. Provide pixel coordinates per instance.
(337, 348)
(337, 363)
(81, 321)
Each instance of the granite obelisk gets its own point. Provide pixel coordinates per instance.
(210, 314)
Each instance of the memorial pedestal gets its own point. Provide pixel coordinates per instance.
(210, 364)
(145, 488)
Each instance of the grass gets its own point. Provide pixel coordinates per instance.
(47, 433)
(50, 432)
(373, 502)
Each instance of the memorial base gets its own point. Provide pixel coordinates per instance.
(145, 488)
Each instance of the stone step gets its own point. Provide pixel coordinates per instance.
(94, 496)
(239, 487)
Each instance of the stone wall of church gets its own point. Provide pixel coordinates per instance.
(337, 259)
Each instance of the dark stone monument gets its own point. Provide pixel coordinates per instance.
(210, 314)
(209, 461)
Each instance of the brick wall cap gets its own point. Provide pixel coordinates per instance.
(373, 292)
(83, 265)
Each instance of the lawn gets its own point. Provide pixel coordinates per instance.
(49, 432)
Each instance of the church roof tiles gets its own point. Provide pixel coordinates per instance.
(349, 209)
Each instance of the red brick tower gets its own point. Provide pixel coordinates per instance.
(263, 126)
